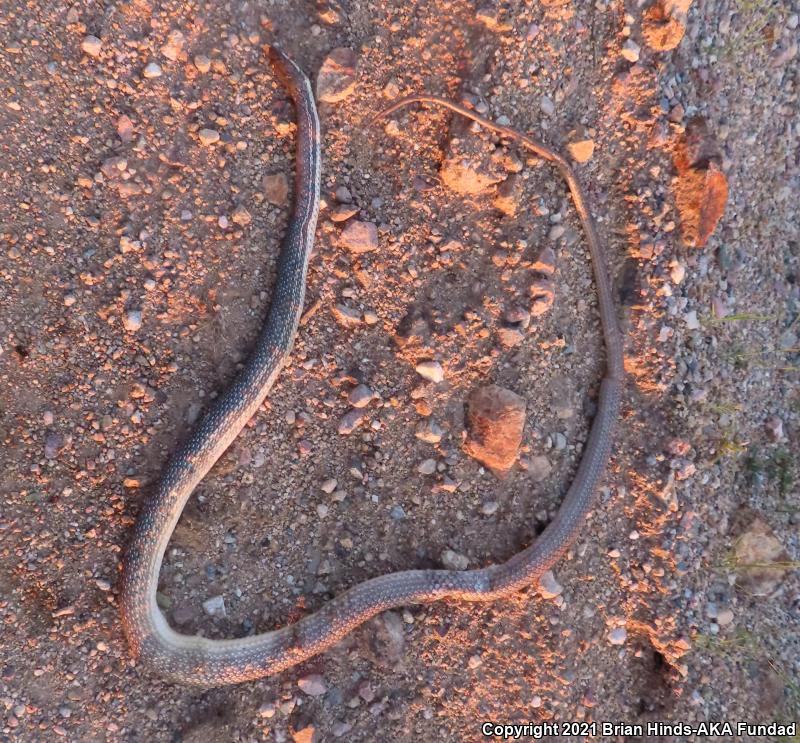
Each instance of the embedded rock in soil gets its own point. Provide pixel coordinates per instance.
(701, 188)
(760, 560)
(495, 419)
(661, 30)
(337, 76)
(359, 237)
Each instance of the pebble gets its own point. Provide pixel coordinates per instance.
(724, 617)
(429, 431)
(350, 421)
(102, 584)
(510, 337)
(125, 128)
(215, 606)
(340, 728)
(343, 195)
(173, 48)
(548, 586)
(313, 685)
(360, 396)
(69, 300)
(132, 320)
(208, 136)
(543, 295)
(582, 150)
(617, 636)
(336, 79)
(545, 263)
(490, 508)
(427, 467)
(151, 71)
(539, 468)
(454, 561)
(267, 710)
(329, 485)
(359, 237)
(92, 46)
(774, 426)
(690, 318)
(304, 735)
(343, 212)
(48, 418)
(276, 188)
(475, 661)
(677, 272)
(630, 51)
(495, 419)
(430, 370)
(346, 316)
(183, 614)
(241, 216)
(547, 106)
(202, 63)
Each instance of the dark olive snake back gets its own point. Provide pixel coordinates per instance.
(197, 660)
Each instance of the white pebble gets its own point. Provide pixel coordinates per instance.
(630, 51)
(132, 320)
(618, 636)
(431, 370)
(215, 606)
(92, 46)
(151, 71)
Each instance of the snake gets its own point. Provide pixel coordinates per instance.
(196, 660)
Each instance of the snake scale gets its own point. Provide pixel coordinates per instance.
(198, 660)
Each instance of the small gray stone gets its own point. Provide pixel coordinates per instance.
(350, 421)
(429, 431)
(427, 467)
(454, 561)
(539, 468)
(548, 586)
(360, 396)
(276, 188)
(132, 320)
(346, 316)
(208, 136)
(617, 636)
(329, 485)
(215, 606)
(202, 63)
(313, 685)
(151, 71)
(359, 237)
(92, 46)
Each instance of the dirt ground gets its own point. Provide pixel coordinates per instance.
(137, 264)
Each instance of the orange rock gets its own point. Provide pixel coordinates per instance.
(701, 188)
(495, 419)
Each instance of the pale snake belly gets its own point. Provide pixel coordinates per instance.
(198, 660)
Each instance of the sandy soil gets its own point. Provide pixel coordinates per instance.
(137, 264)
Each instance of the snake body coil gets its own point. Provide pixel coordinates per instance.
(197, 660)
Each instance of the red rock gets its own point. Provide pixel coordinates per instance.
(495, 419)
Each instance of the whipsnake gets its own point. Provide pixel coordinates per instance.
(197, 660)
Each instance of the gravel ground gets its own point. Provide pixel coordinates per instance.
(144, 154)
